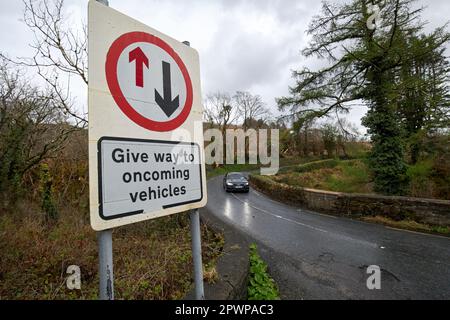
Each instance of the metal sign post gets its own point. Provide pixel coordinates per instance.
(105, 254)
(197, 254)
(105, 258)
(196, 241)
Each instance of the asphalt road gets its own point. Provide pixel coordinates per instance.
(315, 256)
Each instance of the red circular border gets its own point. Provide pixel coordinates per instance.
(112, 59)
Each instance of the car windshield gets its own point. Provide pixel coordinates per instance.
(236, 177)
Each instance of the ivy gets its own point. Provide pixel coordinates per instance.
(46, 190)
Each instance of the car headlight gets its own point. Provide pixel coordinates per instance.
(229, 184)
(246, 183)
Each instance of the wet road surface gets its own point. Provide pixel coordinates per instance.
(315, 256)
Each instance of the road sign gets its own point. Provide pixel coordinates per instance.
(146, 157)
(146, 175)
(144, 93)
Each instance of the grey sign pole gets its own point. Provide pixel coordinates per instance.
(197, 254)
(105, 258)
(196, 247)
(105, 255)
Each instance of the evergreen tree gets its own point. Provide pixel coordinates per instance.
(422, 92)
(365, 61)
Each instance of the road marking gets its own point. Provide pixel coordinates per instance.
(361, 221)
(277, 216)
(297, 209)
(320, 214)
(374, 245)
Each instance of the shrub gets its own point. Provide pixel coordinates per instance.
(34, 258)
(441, 176)
(419, 177)
(349, 176)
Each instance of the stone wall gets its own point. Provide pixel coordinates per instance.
(427, 211)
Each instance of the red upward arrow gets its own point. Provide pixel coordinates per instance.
(141, 59)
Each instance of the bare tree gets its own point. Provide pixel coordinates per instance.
(329, 138)
(250, 107)
(32, 127)
(60, 51)
(219, 110)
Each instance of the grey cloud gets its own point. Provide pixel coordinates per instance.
(234, 56)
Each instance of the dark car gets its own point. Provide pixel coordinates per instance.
(235, 181)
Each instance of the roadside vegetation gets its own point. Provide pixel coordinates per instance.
(344, 176)
(408, 224)
(44, 213)
(152, 260)
(260, 285)
(354, 176)
(44, 228)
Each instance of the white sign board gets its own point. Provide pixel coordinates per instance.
(146, 157)
(147, 175)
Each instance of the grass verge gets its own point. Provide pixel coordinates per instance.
(408, 225)
(332, 175)
(152, 259)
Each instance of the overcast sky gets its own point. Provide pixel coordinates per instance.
(249, 45)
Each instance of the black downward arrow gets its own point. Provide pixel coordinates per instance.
(167, 104)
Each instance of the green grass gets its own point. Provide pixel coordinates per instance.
(440, 230)
(420, 184)
(353, 176)
(357, 150)
(333, 175)
(350, 176)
